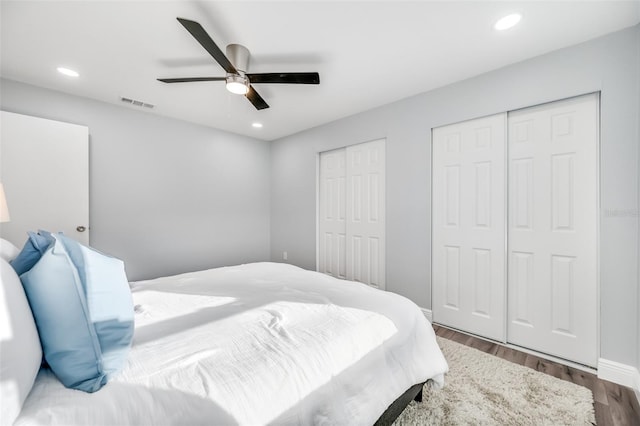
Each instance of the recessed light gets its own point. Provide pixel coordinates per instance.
(68, 72)
(507, 22)
(257, 125)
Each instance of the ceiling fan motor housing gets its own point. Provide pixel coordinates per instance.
(239, 56)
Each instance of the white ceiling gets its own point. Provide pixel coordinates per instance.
(367, 53)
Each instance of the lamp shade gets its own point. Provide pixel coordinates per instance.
(4, 210)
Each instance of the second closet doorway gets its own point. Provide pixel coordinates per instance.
(351, 213)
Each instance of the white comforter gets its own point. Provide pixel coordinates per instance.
(255, 344)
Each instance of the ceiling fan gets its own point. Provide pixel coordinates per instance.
(235, 63)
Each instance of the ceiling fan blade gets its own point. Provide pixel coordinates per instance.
(209, 45)
(256, 99)
(285, 77)
(190, 79)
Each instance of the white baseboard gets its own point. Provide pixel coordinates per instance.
(428, 314)
(621, 374)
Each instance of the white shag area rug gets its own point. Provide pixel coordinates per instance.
(481, 389)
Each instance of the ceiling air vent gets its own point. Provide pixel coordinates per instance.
(136, 102)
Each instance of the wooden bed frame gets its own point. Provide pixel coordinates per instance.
(414, 393)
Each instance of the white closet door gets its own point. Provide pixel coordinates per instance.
(469, 226)
(366, 213)
(351, 218)
(552, 228)
(44, 167)
(332, 213)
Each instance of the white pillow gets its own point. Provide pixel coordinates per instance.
(20, 348)
(7, 250)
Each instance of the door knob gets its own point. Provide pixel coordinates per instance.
(81, 228)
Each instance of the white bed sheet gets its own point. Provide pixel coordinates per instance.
(261, 343)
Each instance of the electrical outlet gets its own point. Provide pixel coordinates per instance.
(284, 255)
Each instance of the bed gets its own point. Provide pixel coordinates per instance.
(260, 343)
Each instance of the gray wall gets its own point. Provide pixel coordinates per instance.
(166, 196)
(638, 215)
(608, 64)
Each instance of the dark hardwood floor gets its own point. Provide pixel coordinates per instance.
(614, 404)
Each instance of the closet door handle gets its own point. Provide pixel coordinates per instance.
(81, 228)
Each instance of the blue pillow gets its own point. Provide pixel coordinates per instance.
(33, 249)
(83, 309)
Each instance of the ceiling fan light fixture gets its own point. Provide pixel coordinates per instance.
(237, 84)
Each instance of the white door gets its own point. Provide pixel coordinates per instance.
(44, 166)
(332, 213)
(552, 283)
(351, 212)
(468, 208)
(366, 213)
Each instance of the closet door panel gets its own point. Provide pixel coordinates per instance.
(365, 221)
(552, 228)
(332, 213)
(468, 226)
